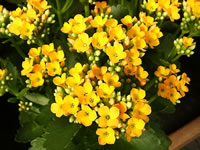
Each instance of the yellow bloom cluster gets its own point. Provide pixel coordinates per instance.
(27, 22)
(43, 61)
(171, 86)
(194, 6)
(90, 95)
(163, 8)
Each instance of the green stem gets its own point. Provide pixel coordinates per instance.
(59, 14)
(150, 84)
(87, 11)
(67, 5)
(164, 62)
(21, 53)
(176, 58)
(153, 98)
(122, 2)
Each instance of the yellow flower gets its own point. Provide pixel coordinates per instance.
(36, 79)
(187, 41)
(137, 95)
(173, 69)
(173, 95)
(106, 136)
(135, 127)
(141, 75)
(34, 52)
(128, 20)
(122, 107)
(182, 88)
(162, 72)
(98, 22)
(172, 12)
(185, 78)
(117, 33)
(1, 8)
(17, 13)
(39, 67)
(77, 69)
(164, 4)
(115, 53)
(41, 5)
(60, 81)
(78, 24)
(99, 72)
(151, 5)
(27, 66)
(135, 31)
(46, 49)
(16, 26)
(31, 13)
(111, 80)
(82, 43)
(163, 90)
(83, 91)
(105, 91)
(108, 117)
(53, 68)
(86, 116)
(56, 56)
(70, 104)
(130, 69)
(111, 23)
(139, 43)
(74, 81)
(93, 99)
(66, 28)
(132, 57)
(141, 110)
(27, 29)
(56, 108)
(171, 81)
(148, 20)
(2, 73)
(99, 40)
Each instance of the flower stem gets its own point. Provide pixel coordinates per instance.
(150, 84)
(153, 98)
(176, 58)
(58, 11)
(87, 11)
(122, 2)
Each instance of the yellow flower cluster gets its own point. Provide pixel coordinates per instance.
(171, 86)
(90, 95)
(27, 22)
(4, 17)
(165, 7)
(43, 61)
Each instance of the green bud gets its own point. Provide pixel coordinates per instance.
(118, 69)
(71, 119)
(129, 105)
(128, 98)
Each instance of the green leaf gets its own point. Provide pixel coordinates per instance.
(28, 132)
(12, 100)
(59, 134)
(37, 144)
(119, 12)
(163, 105)
(37, 98)
(151, 139)
(22, 92)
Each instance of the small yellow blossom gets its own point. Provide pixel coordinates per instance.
(70, 104)
(98, 22)
(171, 81)
(34, 52)
(16, 26)
(105, 91)
(60, 81)
(111, 80)
(111, 23)
(53, 68)
(46, 49)
(74, 81)
(137, 95)
(187, 41)
(108, 117)
(151, 5)
(141, 110)
(130, 69)
(106, 136)
(66, 28)
(132, 57)
(172, 12)
(99, 40)
(128, 20)
(27, 66)
(56, 56)
(99, 72)
(77, 69)
(17, 13)
(141, 75)
(27, 29)
(93, 99)
(86, 116)
(56, 108)
(82, 43)
(36, 79)
(117, 33)
(2, 73)
(115, 53)
(122, 107)
(173, 95)
(173, 69)
(162, 72)
(163, 90)
(135, 31)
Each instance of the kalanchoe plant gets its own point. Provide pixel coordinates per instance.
(84, 81)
